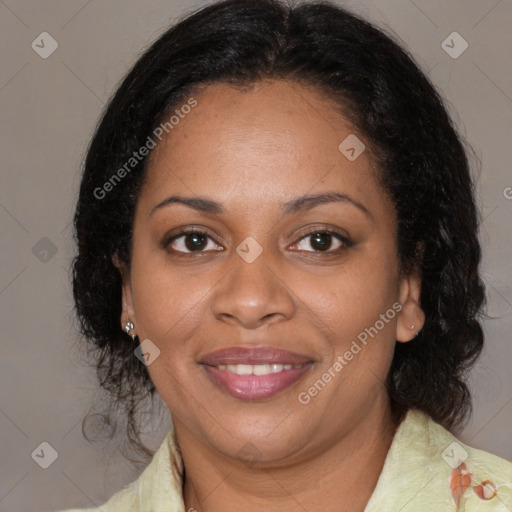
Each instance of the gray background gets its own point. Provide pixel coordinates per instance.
(49, 110)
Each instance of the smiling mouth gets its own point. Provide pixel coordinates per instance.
(255, 381)
(254, 372)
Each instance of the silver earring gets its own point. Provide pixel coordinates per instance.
(416, 335)
(128, 328)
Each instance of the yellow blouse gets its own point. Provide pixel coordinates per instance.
(426, 470)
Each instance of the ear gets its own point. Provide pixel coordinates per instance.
(128, 311)
(411, 318)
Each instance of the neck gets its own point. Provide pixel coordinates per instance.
(343, 475)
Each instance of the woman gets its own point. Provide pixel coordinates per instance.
(277, 232)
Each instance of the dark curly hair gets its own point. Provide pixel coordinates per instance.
(421, 159)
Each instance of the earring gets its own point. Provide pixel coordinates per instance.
(128, 328)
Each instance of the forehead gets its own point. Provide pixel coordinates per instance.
(271, 141)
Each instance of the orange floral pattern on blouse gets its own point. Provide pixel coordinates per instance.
(462, 478)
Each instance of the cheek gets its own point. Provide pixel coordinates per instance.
(358, 321)
(169, 307)
(169, 300)
(354, 310)
(352, 297)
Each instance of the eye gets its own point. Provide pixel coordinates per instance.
(323, 241)
(198, 241)
(189, 241)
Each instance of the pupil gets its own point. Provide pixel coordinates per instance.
(197, 242)
(319, 238)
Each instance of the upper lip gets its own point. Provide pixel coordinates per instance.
(253, 355)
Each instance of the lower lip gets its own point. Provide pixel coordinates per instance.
(255, 387)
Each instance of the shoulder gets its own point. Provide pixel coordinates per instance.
(480, 465)
(158, 488)
(428, 468)
(480, 479)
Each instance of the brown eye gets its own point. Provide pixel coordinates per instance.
(190, 241)
(323, 241)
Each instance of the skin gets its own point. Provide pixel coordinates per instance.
(252, 150)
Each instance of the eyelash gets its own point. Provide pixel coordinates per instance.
(346, 243)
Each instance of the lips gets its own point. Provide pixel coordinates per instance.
(254, 373)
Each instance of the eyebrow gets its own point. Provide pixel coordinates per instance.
(299, 204)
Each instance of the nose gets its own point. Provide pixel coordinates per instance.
(252, 295)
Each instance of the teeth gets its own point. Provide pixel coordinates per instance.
(257, 369)
(261, 369)
(243, 369)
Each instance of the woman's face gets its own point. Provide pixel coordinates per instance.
(265, 274)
